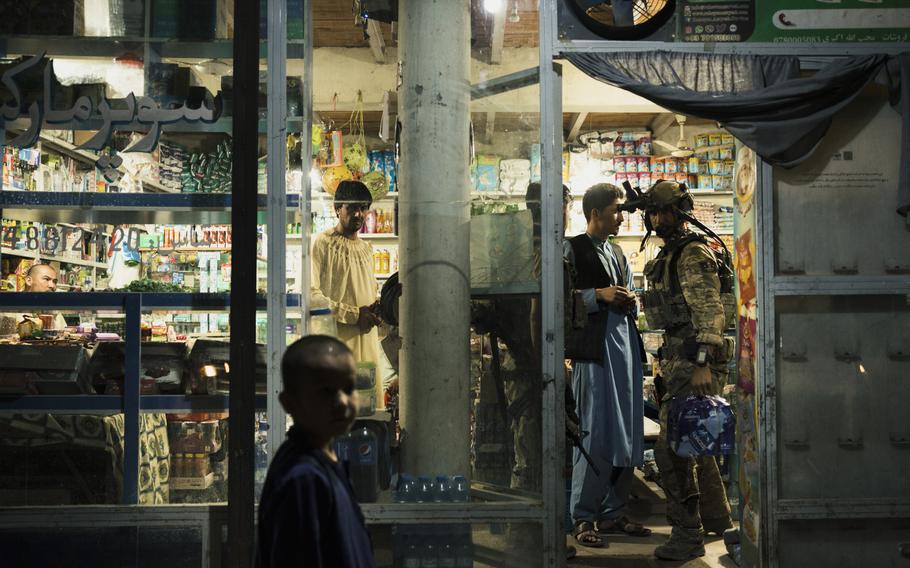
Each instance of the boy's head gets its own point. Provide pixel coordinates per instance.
(318, 374)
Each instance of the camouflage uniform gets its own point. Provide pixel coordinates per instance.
(691, 309)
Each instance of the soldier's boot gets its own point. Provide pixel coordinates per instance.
(717, 526)
(683, 544)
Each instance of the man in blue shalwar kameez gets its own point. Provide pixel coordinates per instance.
(606, 375)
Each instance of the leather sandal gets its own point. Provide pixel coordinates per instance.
(585, 534)
(622, 525)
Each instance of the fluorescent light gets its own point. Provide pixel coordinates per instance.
(492, 6)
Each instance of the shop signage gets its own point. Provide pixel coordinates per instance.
(54, 239)
(712, 21)
(795, 21)
(847, 21)
(142, 111)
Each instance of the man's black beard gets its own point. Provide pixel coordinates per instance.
(667, 231)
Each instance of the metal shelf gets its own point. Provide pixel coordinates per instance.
(90, 158)
(149, 301)
(105, 404)
(125, 208)
(109, 47)
(37, 256)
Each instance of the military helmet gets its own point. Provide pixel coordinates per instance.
(667, 193)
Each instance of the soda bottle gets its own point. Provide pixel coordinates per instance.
(364, 465)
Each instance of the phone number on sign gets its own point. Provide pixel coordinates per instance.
(54, 239)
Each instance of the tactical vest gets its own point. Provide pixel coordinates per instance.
(664, 303)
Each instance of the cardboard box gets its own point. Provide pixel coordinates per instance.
(192, 483)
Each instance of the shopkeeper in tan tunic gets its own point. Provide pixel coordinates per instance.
(343, 274)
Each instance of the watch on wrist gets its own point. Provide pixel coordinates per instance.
(701, 356)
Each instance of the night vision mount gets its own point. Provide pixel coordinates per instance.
(650, 201)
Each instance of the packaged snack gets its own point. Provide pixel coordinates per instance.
(618, 147)
(715, 139)
(644, 180)
(619, 164)
(726, 138)
(704, 181)
(692, 181)
(657, 166)
(620, 177)
(693, 167)
(633, 180)
(717, 182)
(682, 177)
(728, 167)
(670, 166)
(725, 153)
(682, 166)
(628, 148)
(643, 165)
(701, 140)
(715, 167)
(644, 146)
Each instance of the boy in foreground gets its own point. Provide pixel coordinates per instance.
(308, 515)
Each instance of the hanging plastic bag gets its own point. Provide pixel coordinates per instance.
(331, 152)
(334, 175)
(355, 152)
(701, 426)
(377, 183)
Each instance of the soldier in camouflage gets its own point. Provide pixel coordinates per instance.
(690, 298)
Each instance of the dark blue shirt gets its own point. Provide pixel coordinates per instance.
(308, 515)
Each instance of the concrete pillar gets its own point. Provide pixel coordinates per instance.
(434, 208)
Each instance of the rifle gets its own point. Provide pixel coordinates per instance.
(573, 432)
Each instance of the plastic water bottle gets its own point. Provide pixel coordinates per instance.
(364, 465)
(411, 558)
(442, 489)
(460, 491)
(342, 447)
(429, 557)
(464, 554)
(261, 457)
(407, 489)
(321, 320)
(424, 490)
(447, 554)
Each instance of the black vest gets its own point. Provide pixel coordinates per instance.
(588, 343)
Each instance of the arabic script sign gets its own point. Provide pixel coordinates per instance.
(143, 112)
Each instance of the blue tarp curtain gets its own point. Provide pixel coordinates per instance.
(762, 100)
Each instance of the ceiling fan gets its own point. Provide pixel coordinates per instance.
(682, 149)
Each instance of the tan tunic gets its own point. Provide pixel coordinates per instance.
(343, 275)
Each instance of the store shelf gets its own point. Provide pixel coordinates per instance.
(117, 300)
(109, 47)
(124, 208)
(109, 404)
(35, 255)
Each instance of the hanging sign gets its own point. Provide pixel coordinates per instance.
(847, 21)
(712, 21)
